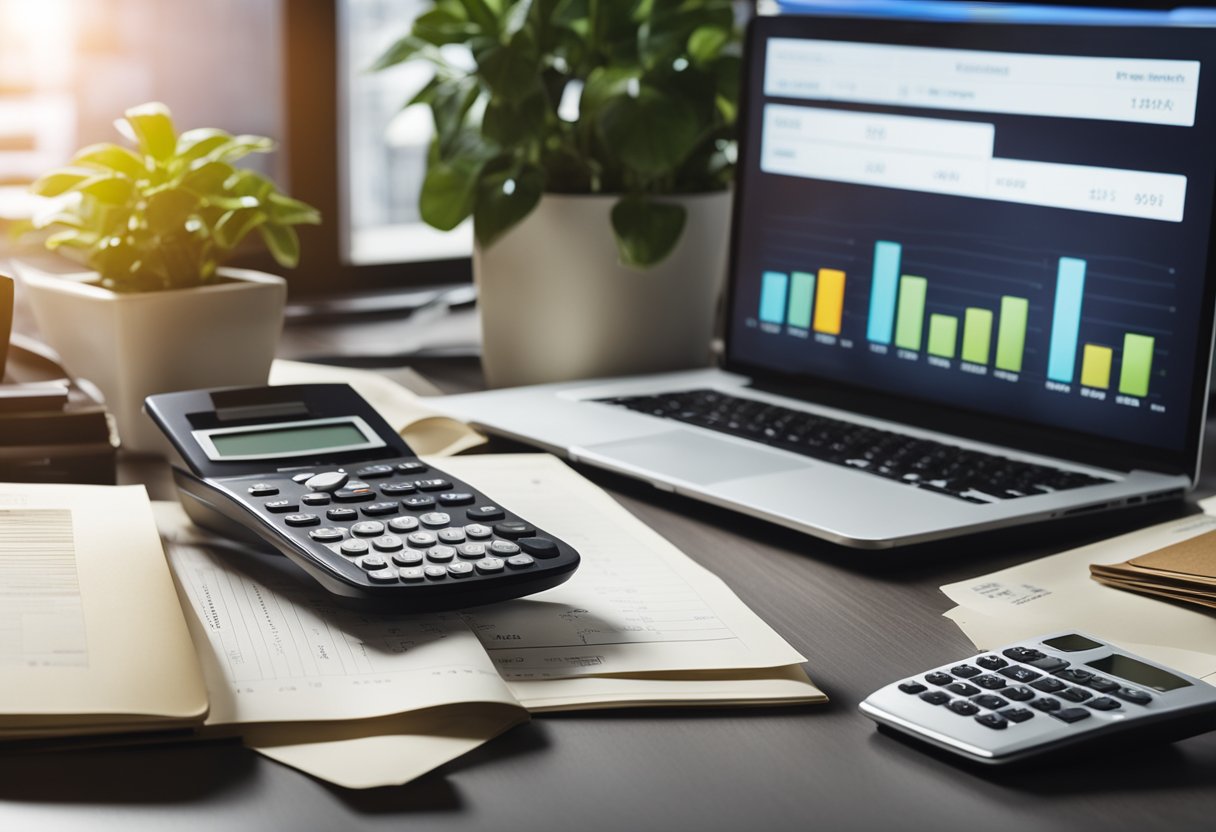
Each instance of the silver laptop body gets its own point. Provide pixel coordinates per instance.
(1127, 407)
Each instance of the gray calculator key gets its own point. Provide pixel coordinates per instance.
(381, 508)
(368, 528)
(478, 531)
(303, 476)
(435, 572)
(355, 547)
(387, 543)
(373, 562)
(460, 569)
(503, 547)
(342, 514)
(451, 535)
(411, 574)
(301, 519)
(403, 524)
(520, 561)
(440, 554)
(489, 565)
(435, 519)
(263, 489)
(421, 540)
(410, 557)
(316, 498)
(327, 534)
(327, 481)
(471, 550)
(383, 576)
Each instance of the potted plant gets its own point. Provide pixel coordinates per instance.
(154, 224)
(592, 143)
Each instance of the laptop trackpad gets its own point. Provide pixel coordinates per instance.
(693, 458)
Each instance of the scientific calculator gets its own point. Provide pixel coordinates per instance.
(314, 472)
(1044, 695)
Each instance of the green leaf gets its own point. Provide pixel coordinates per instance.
(61, 181)
(71, 238)
(646, 231)
(439, 26)
(287, 211)
(504, 198)
(283, 242)
(652, 133)
(201, 142)
(111, 157)
(111, 190)
(450, 103)
(234, 225)
(407, 49)
(512, 122)
(241, 146)
(480, 13)
(169, 209)
(706, 42)
(208, 178)
(511, 69)
(153, 128)
(516, 18)
(451, 181)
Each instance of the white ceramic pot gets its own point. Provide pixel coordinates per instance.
(556, 305)
(134, 345)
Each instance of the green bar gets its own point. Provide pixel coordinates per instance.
(943, 335)
(1137, 364)
(910, 319)
(1011, 334)
(977, 335)
(801, 297)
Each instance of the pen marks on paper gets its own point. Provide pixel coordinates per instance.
(1015, 595)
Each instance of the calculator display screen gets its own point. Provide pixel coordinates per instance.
(288, 440)
(1138, 672)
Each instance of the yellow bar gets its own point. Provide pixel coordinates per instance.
(1095, 366)
(829, 301)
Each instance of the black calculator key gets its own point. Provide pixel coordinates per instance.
(1075, 695)
(435, 519)
(354, 495)
(455, 498)
(1136, 697)
(411, 574)
(1076, 677)
(263, 489)
(316, 498)
(1045, 704)
(396, 489)
(965, 671)
(933, 697)
(991, 662)
(1017, 714)
(281, 506)
(520, 561)
(372, 562)
(301, 519)
(938, 678)
(990, 682)
(418, 501)
(490, 513)
(328, 534)
(368, 528)
(963, 689)
(435, 572)
(381, 509)
(1049, 664)
(539, 547)
(1104, 703)
(990, 702)
(963, 708)
(412, 467)
(374, 472)
(342, 514)
(354, 548)
(1023, 654)
(912, 687)
(994, 721)
(1049, 685)
(460, 569)
(513, 529)
(1020, 693)
(1103, 685)
(1019, 674)
(387, 543)
(432, 485)
(1071, 715)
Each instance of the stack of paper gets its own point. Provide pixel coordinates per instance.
(1183, 571)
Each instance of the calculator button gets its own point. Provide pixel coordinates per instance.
(1136, 697)
(963, 708)
(1017, 714)
(455, 498)
(1049, 664)
(471, 550)
(991, 662)
(368, 528)
(374, 472)
(281, 506)
(935, 697)
(328, 534)
(460, 569)
(435, 573)
(381, 509)
(342, 514)
(477, 531)
(489, 565)
(383, 576)
(513, 528)
(965, 671)
(410, 557)
(304, 476)
(301, 519)
(371, 562)
(1019, 674)
(1075, 695)
(1103, 685)
(993, 721)
(451, 536)
(420, 540)
(543, 547)
(396, 489)
(503, 547)
(435, 519)
(490, 513)
(1018, 694)
(327, 481)
(354, 548)
(411, 574)
(990, 702)
(354, 495)
(412, 467)
(387, 543)
(1049, 685)
(262, 489)
(403, 524)
(520, 561)
(963, 689)
(912, 687)
(432, 485)
(316, 498)
(1104, 703)
(990, 682)
(440, 554)
(938, 678)
(1077, 677)
(1023, 654)
(1045, 704)
(1071, 715)
(418, 501)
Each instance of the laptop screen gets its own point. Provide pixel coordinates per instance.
(1000, 219)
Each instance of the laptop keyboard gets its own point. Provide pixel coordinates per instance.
(934, 466)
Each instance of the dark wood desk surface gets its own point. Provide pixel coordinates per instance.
(862, 620)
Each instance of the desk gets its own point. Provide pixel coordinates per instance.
(863, 620)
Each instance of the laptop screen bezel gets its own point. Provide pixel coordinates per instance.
(978, 425)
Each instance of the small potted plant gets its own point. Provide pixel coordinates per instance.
(157, 312)
(592, 143)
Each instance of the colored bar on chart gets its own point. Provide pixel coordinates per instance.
(1066, 320)
(883, 289)
(1095, 366)
(802, 296)
(910, 316)
(1137, 364)
(943, 335)
(1011, 333)
(829, 301)
(977, 335)
(772, 297)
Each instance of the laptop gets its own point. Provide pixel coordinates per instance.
(971, 285)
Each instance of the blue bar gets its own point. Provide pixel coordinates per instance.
(1066, 320)
(883, 288)
(772, 297)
